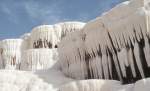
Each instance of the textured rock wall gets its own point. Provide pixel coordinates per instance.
(115, 45)
(35, 50)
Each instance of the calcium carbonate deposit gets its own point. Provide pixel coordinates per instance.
(109, 53)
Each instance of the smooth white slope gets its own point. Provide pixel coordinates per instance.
(142, 85)
(54, 77)
(54, 80)
(12, 80)
(96, 85)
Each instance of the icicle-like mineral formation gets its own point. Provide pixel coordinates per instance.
(40, 47)
(69, 27)
(11, 53)
(114, 46)
(71, 54)
(42, 37)
(48, 36)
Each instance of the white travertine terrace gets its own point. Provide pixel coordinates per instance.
(114, 46)
(11, 53)
(34, 58)
(37, 48)
(48, 36)
(42, 33)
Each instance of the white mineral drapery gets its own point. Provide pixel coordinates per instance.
(50, 35)
(68, 27)
(71, 54)
(26, 41)
(36, 59)
(42, 33)
(11, 53)
(123, 33)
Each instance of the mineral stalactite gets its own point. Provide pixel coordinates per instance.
(11, 53)
(115, 45)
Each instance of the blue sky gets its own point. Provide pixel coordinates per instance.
(20, 16)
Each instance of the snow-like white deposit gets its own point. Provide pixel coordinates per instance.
(96, 85)
(12, 80)
(105, 85)
(53, 80)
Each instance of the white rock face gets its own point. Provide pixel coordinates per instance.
(26, 41)
(11, 53)
(69, 27)
(111, 44)
(28, 49)
(36, 59)
(42, 37)
(48, 36)
(70, 62)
